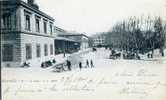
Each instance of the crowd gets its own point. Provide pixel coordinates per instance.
(88, 65)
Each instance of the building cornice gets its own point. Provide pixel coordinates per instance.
(35, 10)
(22, 3)
(29, 33)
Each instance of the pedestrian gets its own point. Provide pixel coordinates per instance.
(80, 65)
(69, 65)
(148, 55)
(87, 63)
(91, 62)
(64, 55)
(151, 55)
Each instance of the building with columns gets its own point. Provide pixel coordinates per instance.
(65, 44)
(81, 38)
(26, 34)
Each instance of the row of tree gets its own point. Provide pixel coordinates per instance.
(138, 34)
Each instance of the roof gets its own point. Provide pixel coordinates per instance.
(59, 29)
(72, 34)
(36, 10)
(26, 5)
(65, 39)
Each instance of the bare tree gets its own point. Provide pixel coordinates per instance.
(138, 35)
(159, 34)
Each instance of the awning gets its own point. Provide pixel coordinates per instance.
(65, 39)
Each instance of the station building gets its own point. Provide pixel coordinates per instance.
(26, 34)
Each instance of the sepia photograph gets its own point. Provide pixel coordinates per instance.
(83, 49)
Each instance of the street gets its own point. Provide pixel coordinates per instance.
(108, 80)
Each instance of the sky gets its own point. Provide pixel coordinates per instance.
(91, 16)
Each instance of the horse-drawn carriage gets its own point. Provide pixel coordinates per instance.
(94, 49)
(131, 56)
(114, 55)
(60, 67)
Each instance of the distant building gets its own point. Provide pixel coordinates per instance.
(63, 44)
(26, 32)
(81, 38)
(99, 39)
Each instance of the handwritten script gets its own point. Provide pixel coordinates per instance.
(125, 82)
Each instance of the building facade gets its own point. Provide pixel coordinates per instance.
(63, 44)
(26, 34)
(99, 39)
(81, 38)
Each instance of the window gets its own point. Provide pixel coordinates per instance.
(7, 52)
(38, 50)
(45, 49)
(51, 49)
(51, 28)
(28, 51)
(45, 26)
(7, 21)
(27, 22)
(37, 25)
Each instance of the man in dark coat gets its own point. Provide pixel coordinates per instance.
(87, 63)
(69, 65)
(91, 62)
(80, 65)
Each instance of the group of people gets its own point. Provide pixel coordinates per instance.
(88, 64)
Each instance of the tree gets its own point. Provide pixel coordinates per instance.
(159, 34)
(138, 34)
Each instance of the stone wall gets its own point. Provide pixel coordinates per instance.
(34, 40)
(14, 39)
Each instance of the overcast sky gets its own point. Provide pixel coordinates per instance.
(92, 16)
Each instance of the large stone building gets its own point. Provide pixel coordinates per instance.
(26, 34)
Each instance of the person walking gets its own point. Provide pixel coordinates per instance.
(148, 55)
(64, 54)
(69, 65)
(91, 62)
(87, 63)
(80, 65)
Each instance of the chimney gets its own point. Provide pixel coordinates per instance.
(30, 2)
(33, 4)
